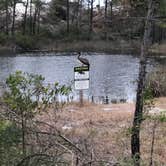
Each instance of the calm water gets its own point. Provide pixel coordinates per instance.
(110, 75)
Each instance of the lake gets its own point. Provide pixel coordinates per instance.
(110, 75)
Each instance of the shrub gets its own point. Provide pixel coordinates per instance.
(74, 33)
(10, 137)
(156, 81)
(45, 33)
(25, 98)
(3, 38)
(26, 42)
(27, 91)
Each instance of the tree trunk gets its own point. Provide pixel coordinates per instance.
(7, 17)
(13, 18)
(135, 137)
(78, 17)
(80, 14)
(38, 21)
(105, 12)
(67, 15)
(30, 21)
(23, 134)
(34, 21)
(25, 18)
(77, 13)
(111, 5)
(105, 19)
(91, 18)
(74, 15)
(89, 13)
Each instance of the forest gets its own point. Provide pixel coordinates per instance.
(74, 25)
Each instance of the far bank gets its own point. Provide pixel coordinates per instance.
(132, 47)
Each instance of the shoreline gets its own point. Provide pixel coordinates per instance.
(104, 47)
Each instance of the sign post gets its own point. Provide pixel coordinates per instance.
(81, 80)
(81, 98)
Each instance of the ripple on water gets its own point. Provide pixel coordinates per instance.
(110, 75)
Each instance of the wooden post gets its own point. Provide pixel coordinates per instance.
(81, 98)
(92, 99)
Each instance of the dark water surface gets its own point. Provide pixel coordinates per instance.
(110, 75)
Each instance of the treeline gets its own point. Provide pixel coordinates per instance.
(23, 20)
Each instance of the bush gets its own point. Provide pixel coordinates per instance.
(10, 137)
(45, 33)
(26, 42)
(156, 81)
(74, 33)
(3, 38)
(26, 97)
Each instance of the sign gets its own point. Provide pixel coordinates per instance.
(81, 77)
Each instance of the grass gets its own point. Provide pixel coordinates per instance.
(119, 47)
(107, 133)
(159, 48)
(103, 131)
(113, 47)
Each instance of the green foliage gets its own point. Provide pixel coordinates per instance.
(159, 117)
(57, 10)
(3, 38)
(22, 88)
(45, 34)
(140, 6)
(9, 133)
(148, 101)
(24, 94)
(26, 42)
(148, 94)
(26, 91)
(127, 161)
(162, 7)
(156, 81)
(9, 143)
(162, 117)
(74, 34)
(3, 2)
(128, 131)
